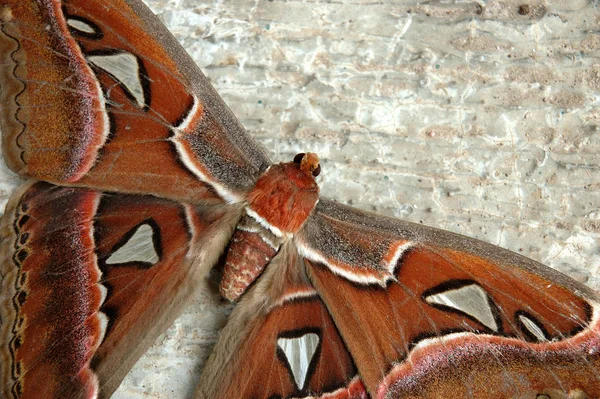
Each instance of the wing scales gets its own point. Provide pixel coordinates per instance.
(450, 322)
(71, 318)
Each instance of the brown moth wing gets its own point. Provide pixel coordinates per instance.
(89, 280)
(99, 94)
(427, 313)
(280, 316)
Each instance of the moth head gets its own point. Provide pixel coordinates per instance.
(309, 163)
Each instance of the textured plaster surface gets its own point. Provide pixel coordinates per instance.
(480, 117)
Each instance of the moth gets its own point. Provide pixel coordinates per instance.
(143, 181)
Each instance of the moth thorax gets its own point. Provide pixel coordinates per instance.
(283, 197)
(251, 248)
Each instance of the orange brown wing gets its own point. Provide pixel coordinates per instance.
(99, 94)
(427, 313)
(89, 280)
(280, 342)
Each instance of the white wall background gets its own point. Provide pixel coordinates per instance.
(480, 117)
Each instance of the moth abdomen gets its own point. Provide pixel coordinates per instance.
(252, 247)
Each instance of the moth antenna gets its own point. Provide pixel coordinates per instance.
(310, 164)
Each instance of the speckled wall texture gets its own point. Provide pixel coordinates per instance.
(479, 117)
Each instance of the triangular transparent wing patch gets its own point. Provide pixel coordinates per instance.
(125, 68)
(469, 299)
(299, 352)
(138, 248)
(533, 328)
(81, 26)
